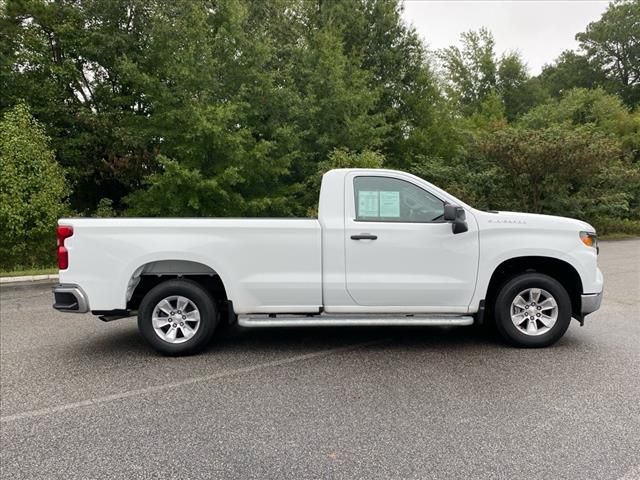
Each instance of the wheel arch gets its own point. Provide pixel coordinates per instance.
(560, 270)
(153, 272)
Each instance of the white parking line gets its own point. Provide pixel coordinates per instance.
(189, 381)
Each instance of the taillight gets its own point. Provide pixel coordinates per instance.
(63, 232)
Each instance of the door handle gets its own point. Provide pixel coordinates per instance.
(364, 236)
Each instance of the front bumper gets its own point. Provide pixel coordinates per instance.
(590, 302)
(70, 298)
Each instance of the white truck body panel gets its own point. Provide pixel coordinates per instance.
(507, 235)
(417, 267)
(310, 265)
(267, 265)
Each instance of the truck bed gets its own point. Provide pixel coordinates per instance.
(269, 265)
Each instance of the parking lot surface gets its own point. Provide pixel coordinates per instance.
(85, 399)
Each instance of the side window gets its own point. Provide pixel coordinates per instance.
(385, 199)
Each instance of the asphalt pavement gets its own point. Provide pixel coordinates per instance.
(82, 399)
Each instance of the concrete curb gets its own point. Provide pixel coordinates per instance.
(27, 279)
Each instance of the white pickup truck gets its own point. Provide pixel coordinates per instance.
(387, 248)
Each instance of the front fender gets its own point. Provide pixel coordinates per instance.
(500, 245)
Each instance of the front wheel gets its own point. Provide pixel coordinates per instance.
(532, 310)
(177, 317)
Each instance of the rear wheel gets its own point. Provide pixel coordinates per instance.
(532, 310)
(177, 317)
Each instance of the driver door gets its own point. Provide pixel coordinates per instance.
(399, 250)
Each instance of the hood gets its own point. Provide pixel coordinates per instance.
(534, 220)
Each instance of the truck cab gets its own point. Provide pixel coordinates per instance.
(386, 239)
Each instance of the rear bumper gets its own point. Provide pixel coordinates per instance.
(70, 298)
(590, 302)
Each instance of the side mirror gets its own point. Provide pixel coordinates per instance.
(457, 217)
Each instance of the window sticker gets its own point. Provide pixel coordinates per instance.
(390, 204)
(368, 204)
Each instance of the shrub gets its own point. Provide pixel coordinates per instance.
(32, 192)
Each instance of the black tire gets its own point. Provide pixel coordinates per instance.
(196, 294)
(502, 310)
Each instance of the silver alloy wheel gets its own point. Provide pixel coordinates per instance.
(175, 319)
(534, 311)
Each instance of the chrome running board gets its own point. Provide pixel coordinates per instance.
(323, 320)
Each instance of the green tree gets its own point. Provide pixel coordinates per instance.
(471, 72)
(335, 76)
(375, 36)
(516, 88)
(32, 192)
(613, 44)
(474, 73)
(339, 100)
(250, 95)
(594, 109)
(66, 63)
(339, 158)
(105, 208)
(602, 113)
(564, 170)
(570, 70)
(574, 157)
(226, 108)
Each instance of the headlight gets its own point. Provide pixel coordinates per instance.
(590, 239)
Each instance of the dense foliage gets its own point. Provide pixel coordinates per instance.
(32, 190)
(235, 107)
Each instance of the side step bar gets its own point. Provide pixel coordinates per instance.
(352, 320)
